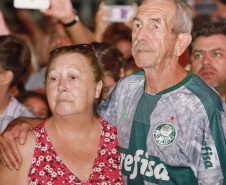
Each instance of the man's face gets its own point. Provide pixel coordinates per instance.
(58, 38)
(153, 40)
(125, 47)
(208, 59)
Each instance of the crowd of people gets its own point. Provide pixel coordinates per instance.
(141, 102)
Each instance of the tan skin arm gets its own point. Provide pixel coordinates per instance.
(20, 177)
(101, 24)
(4, 30)
(79, 27)
(63, 11)
(9, 153)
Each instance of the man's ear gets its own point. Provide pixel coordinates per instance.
(98, 89)
(7, 77)
(183, 41)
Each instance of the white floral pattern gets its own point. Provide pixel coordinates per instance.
(47, 167)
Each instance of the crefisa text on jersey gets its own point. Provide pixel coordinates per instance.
(206, 153)
(187, 101)
(147, 168)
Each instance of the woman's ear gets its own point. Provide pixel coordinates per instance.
(183, 41)
(98, 89)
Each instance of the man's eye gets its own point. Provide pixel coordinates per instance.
(197, 56)
(217, 54)
(138, 25)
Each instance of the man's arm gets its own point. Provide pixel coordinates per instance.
(4, 30)
(63, 11)
(75, 31)
(9, 154)
(101, 23)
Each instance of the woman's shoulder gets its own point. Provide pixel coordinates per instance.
(27, 149)
(30, 141)
(20, 176)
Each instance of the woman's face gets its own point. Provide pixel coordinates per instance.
(70, 85)
(38, 106)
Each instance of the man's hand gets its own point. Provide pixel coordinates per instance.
(18, 128)
(130, 23)
(101, 23)
(61, 10)
(3, 28)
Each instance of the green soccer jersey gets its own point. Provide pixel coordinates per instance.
(174, 137)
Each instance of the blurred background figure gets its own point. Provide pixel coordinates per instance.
(37, 27)
(117, 33)
(4, 30)
(60, 35)
(49, 28)
(36, 102)
(208, 55)
(15, 58)
(220, 14)
(112, 62)
(58, 38)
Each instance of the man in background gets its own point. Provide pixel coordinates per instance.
(208, 55)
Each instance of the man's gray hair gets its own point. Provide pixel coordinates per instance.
(181, 21)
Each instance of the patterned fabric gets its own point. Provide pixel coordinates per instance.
(47, 167)
(175, 137)
(13, 111)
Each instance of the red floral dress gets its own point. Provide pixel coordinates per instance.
(47, 168)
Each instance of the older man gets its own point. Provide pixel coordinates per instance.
(169, 121)
(208, 55)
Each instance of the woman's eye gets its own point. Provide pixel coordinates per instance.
(73, 77)
(53, 78)
(43, 115)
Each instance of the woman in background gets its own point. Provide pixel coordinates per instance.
(36, 102)
(112, 62)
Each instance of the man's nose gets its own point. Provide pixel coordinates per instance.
(207, 60)
(141, 35)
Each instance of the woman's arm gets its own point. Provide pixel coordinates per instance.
(20, 176)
